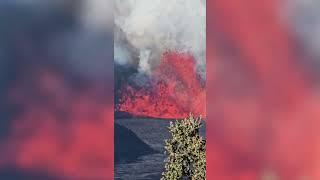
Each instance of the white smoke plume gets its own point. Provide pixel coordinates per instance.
(88, 49)
(97, 14)
(145, 29)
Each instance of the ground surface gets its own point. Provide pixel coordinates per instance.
(146, 167)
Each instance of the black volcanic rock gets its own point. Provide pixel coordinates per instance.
(122, 115)
(128, 146)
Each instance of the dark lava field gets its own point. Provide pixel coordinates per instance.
(139, 148)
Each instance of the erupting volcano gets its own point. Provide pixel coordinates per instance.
(174, 90)
(59, 128)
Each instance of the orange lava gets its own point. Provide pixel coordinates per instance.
(60, 129)
(175, 92)
(262, 110)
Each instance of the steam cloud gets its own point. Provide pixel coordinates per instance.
(145, 29)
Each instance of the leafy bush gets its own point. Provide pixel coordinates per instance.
(186, 151)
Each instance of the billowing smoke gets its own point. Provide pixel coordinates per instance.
(84, 49)
(144, 30)
(97, 14)
(160, 57)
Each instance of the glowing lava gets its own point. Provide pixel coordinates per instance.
(263, 119)
(176, 91)
(60, 129)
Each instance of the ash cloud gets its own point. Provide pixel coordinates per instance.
(145, 29)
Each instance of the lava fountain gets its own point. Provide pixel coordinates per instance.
(263, 118)
(175, 90)
(58, 127)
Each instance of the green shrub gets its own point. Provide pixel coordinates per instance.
(186, 151)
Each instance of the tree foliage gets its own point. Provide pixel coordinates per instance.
(186, 151)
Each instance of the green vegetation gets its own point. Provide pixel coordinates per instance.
(186, 151)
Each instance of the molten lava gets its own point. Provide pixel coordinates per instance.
(264, 119)
(59, 128)
(176, 91)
